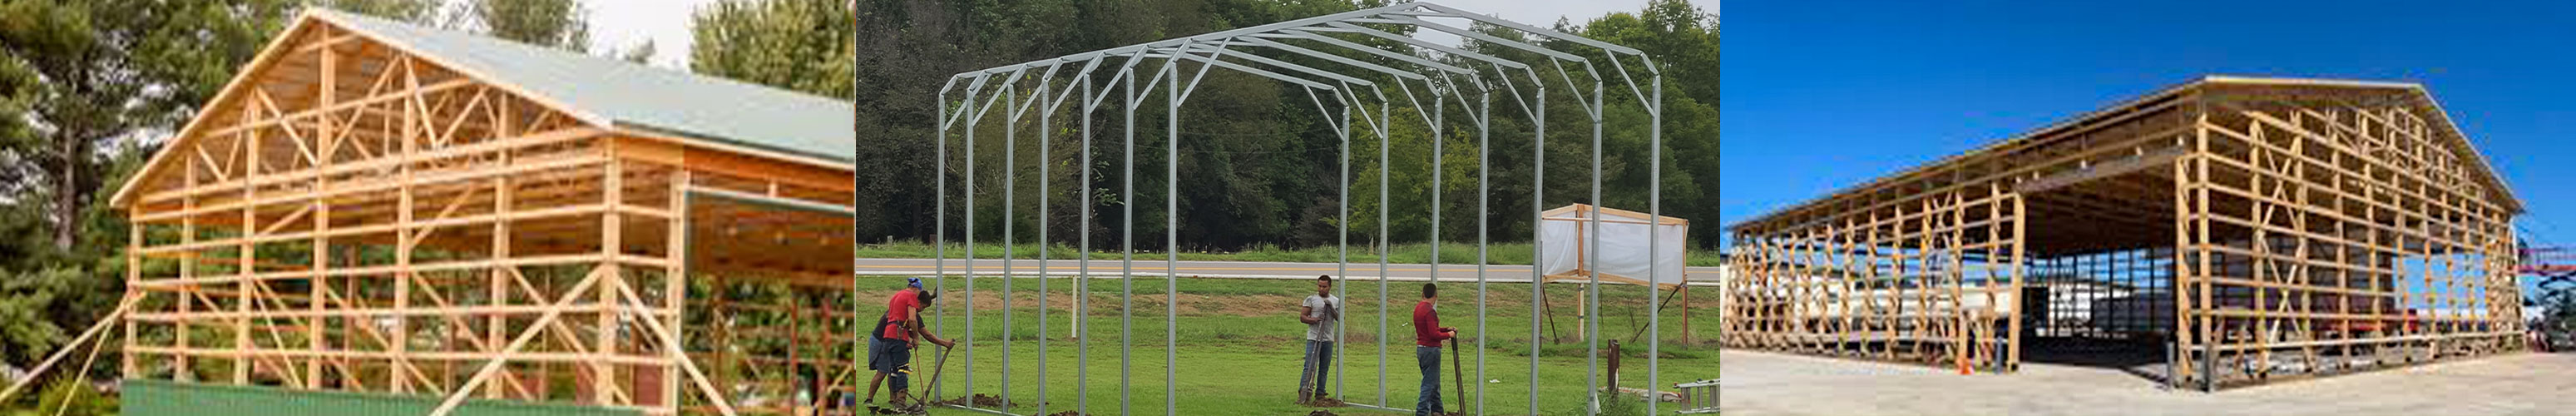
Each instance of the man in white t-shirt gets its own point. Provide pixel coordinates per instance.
(1321, 314)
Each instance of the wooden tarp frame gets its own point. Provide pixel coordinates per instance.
(1609, 216)
(349, 214)
(2316, 227)
(1582, 274)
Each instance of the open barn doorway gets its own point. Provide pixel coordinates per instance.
(2100, 288)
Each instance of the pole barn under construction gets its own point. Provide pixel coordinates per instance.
(2224, 232)
(452, 223)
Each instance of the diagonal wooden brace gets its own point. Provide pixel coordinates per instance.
(457, 396)
(671, 344)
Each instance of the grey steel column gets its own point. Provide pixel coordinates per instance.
(1384, 246)
(973, 115)
(1538, 215)
(1172, 242)
(1438, 109)
(1438, 137)
(1010, 203)
(939, 229)
(1127, 261)
(1045, 157)
(1342, 261)
(1484, 199)
(1592, 308)
(1082, 282)
(1654, 241)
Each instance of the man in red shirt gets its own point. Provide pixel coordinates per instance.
(890, 344)
(1427, 335)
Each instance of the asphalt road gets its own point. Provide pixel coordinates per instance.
(1698, 276)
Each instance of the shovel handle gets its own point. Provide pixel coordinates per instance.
(935, 366)
(1457, 375)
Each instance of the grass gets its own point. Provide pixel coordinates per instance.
(1452, 253)
(1239, 345)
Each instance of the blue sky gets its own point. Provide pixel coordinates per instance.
(1825, 95)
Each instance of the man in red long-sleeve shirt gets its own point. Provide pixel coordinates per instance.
(1427, 334)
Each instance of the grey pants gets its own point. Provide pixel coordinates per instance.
(1429, 403)
(1319, 360)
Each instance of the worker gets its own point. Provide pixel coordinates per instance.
(1427, 335)
(891, 341)
(1322, 311)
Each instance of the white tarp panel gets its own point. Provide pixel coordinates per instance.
(1623, 244)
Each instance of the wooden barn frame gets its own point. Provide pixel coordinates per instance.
(372, 206)
(2259, 229)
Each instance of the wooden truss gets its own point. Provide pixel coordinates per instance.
(349, 215)
(2262, 228)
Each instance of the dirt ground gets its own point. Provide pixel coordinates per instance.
(1761, 383)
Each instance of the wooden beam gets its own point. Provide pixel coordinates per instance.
(512, 351)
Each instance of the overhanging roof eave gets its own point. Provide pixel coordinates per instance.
(2450, 129)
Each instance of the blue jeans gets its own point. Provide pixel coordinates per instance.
(1319, 360)
(1429, 403)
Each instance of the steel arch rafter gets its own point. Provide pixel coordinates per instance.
(1263, 51)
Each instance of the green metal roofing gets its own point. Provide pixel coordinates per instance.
(628, 95)
(149, 397)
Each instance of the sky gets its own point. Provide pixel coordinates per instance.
(620, 25)
(1827, 95)
(1543, 13)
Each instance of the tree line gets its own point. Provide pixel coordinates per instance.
(1258, 166)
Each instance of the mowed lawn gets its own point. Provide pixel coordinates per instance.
(1239, 345)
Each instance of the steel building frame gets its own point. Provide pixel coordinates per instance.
(1349, 85)
(2264, 229)
(351, 214)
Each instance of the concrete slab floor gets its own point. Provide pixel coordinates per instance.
(1762, 383)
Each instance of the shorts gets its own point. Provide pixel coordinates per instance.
(892, 357)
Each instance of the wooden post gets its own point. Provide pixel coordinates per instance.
(496, 290)
(412, 109)
(675, 290)
(128, 365)
(181, 367)
(248, 257)
(1686, 309)
(319, 275)
(611, 244)
(1582, 315)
